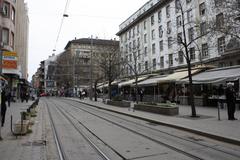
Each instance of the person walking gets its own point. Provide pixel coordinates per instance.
(3, 107)
(231, 100)
(141, 95)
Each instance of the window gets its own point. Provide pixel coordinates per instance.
(192, 53)
(159, 16)
(219, 20)
(188, 1)
(126, 48)
(162, 62)
(12, 40)
(168, 11)
(129, 34)
(169, 42)
(6, 9)
(177, 5)
(218, 2)
(138, 30)
(134, 44)
(202, 9)
(153, 48)
(154, 63)
(144, 25)
(152, 20)
(130, 57)
(125, 37)
(139, 55)
(221, 45)
(146, 65)
(179, 38)
(139, 67)
(204, 50)
(153, 34)
(133, 32)
(169, 27)
(203, 28)
(5, 36)
(145, 51)
(189, 15)
(130, 46)
(138, 42)
(180, 57)
(160, 30)
(145, 38)
(190, 34)
(170, 59)
(179, 21)
(161, 45)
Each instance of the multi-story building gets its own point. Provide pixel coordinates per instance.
(152, 34)
(78, 65)
(13, 42)
(21, 37)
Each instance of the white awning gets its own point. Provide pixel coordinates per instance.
(131, 81)
(177, 76)
(153, 81)
(216, 75)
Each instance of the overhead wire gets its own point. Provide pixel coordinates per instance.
(61, 24)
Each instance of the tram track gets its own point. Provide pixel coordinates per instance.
(157, 130)
(140, 134)
(150, 138)
(59, 145)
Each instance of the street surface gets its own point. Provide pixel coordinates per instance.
(68, 129)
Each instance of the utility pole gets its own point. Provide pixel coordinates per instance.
(91, 68)
(1, 92)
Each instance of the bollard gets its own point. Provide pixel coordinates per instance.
(219, 111)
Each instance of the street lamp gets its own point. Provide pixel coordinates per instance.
(91, 68)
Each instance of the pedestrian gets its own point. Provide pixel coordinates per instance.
(26, 96)
(141, 95)
(9, 98)
(80, 95)
(3, 107)
(231, 100)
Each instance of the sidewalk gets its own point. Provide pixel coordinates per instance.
(207, 124)
(27, 147)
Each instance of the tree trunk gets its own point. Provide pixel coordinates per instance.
(191, 94)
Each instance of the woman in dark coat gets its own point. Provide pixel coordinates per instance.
(3, 107)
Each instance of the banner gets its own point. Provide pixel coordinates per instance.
(9, 60)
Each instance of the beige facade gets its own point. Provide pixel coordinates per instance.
(21, 36)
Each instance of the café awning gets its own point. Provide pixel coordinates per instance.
(131, 81)
(153, 81)
(216, 75)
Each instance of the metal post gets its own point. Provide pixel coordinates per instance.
(91, 70)
(1, 94)
(73, 74)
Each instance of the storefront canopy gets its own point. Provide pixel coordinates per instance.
(131, 81)
(216, 75)
(153, 81)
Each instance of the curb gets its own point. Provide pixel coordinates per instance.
(205, 134)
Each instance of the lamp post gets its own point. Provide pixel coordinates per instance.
(1, 91)
(91, 69)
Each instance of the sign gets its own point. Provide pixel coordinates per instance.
(9, 60)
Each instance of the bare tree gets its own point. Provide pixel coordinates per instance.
(191, 32)
(109, 62)
(135, 67)
(227, 21)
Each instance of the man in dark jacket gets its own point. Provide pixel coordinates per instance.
(231, 100)
(3, 107)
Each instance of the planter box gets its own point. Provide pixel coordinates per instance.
(161, 108)
(119, 103)
(21, 128)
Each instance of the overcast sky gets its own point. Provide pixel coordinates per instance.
(100, 18)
